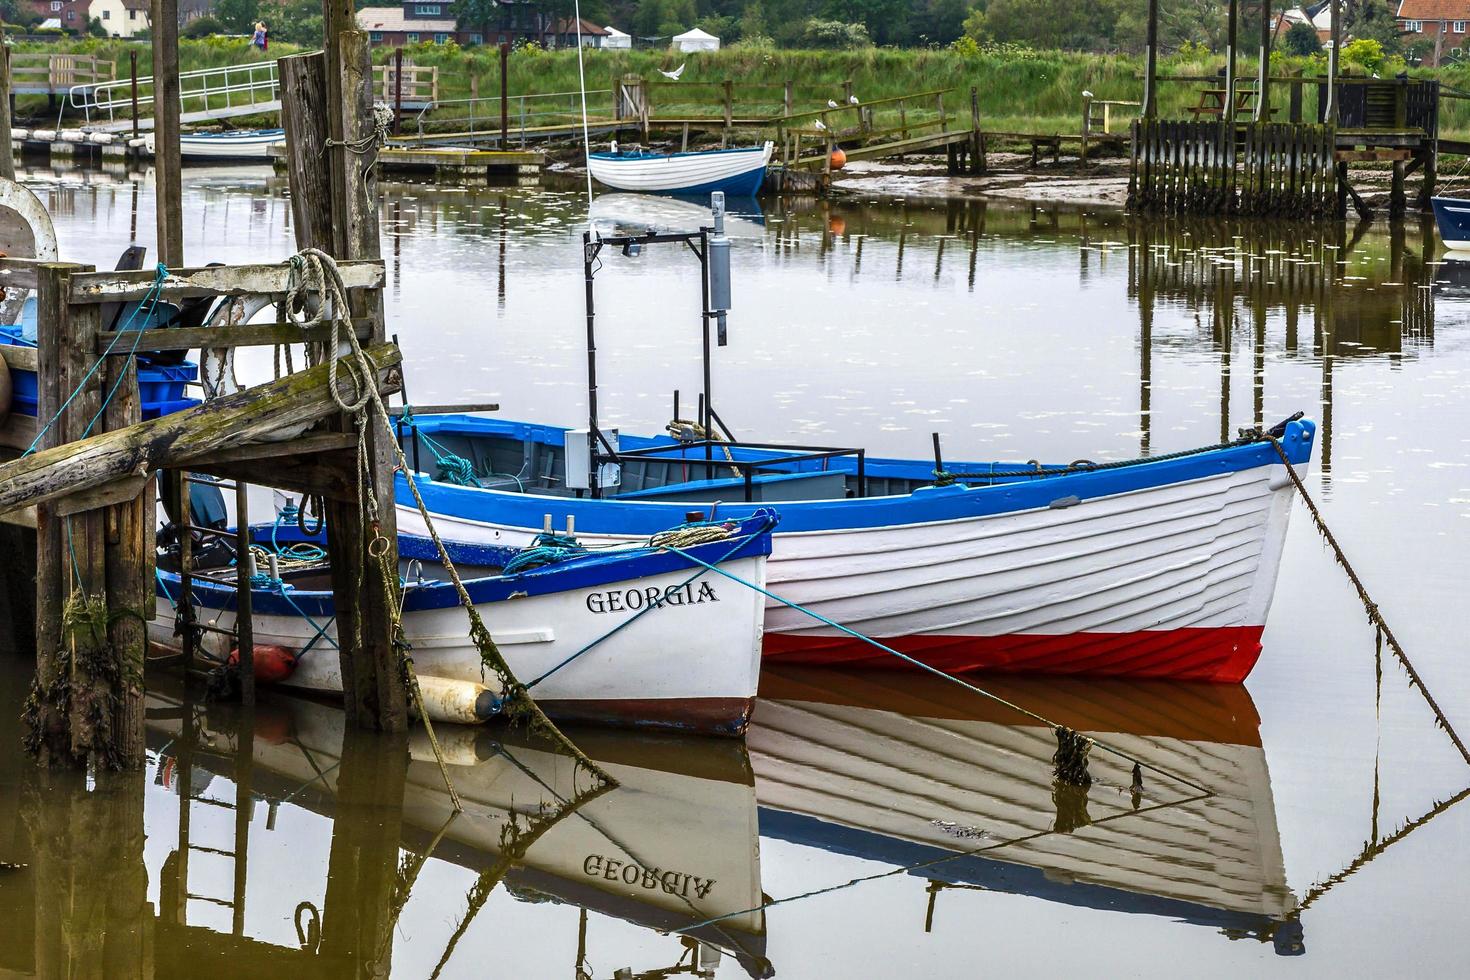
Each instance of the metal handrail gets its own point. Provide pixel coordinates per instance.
(261, 78)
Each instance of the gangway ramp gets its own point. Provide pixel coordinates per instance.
(204, 94)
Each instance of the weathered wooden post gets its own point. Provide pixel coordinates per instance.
(788, 96)
(977, 136)
(505, 94)
(1150, 107)
(91, 554)
(7, 161)
(1329, 109)
(372, 679)
(397, 91)
(165, 21)
(729, 100)
(133, 76)
(1232, 23)
(1263, 72)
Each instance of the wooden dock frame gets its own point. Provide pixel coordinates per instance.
(92, 483)
(1288, 169)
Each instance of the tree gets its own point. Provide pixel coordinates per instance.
(95, 27)
(1374, 20)
(1302, 40)
(479, 15)
(237, 16)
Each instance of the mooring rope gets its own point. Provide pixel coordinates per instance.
(1069, 742)
(315, 270)
(1374, 615)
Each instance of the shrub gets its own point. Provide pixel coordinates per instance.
(203, 27)
(1302, 40)
(835, 34)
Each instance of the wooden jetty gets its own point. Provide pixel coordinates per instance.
(448, 164)
(1235, 156)
(89, 488)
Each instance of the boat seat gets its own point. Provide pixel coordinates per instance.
(764, 487)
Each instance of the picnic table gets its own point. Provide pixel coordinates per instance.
(1212, 103)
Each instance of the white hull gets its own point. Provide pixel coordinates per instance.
(231, 146)
(699, 654)
(678, 171)
(1196, 559)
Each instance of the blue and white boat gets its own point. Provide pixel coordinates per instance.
(1452, 214)
(635, 636)
(1161, 568)
(737, 172)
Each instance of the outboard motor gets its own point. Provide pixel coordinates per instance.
(206, 510)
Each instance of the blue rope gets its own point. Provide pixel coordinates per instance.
(151, 299)
(657, 603)
(544, 549)
(452, 469)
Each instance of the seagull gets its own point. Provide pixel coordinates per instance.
(831, 104)
(1086, 94)
(672, 75)
(852, 100)
(819, 125)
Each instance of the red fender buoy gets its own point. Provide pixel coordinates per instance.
(839, 159)
(273, 664)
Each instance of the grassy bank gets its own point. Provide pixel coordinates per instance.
(1019, 90)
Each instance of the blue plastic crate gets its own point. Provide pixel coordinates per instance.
(160, 386)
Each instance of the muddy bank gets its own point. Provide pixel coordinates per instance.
(1103, 183)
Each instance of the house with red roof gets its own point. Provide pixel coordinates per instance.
(1442, 22)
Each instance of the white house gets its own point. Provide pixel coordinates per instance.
(696, 40)
(617, 39)
(120, 18)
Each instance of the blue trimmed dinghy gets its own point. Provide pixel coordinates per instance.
(737, 172)
(643, 636)
(1160, 568)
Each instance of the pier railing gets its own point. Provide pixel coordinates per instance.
(543, 115)
(209, 93)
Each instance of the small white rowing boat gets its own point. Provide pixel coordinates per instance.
(242, 144)
(636, 637)
(738, 172)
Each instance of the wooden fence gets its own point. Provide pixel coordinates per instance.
(1256, 168)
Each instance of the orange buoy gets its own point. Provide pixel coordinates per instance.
(837, 224)
(839, 159)
(273, 664)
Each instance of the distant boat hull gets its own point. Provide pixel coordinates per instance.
(1452, 215)
(247, 144)
(735, 172)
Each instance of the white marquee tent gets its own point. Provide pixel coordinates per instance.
(696, 40)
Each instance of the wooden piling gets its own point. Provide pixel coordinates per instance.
(7, 158)
(166, 166)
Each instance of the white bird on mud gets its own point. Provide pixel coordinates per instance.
(672, 75)
(852, 100)
(831, 104)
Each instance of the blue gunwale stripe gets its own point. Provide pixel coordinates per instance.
(931, 504)
(593, 570)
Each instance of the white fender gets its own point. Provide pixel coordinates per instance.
(217, 364)
(25, 204)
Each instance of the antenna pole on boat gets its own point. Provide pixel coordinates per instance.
(590, 248)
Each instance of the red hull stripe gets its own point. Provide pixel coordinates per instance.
(1224, 654)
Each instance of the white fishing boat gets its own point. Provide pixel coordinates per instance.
(907, 769)
(630, 636)
(241, 144)
(736, 172)
(672, 845)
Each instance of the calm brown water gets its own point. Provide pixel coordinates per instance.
(1323, 845)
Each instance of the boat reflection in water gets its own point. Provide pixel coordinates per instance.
(911, 771)
(673, 844)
